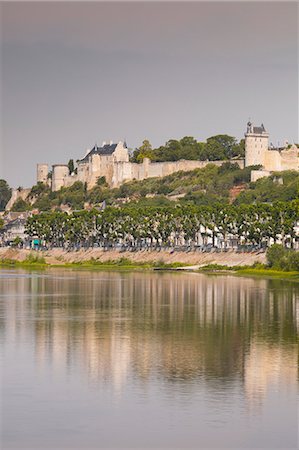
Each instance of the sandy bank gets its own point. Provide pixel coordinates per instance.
(59, 256)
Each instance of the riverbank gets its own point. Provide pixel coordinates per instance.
(245, 265)
(114, 258)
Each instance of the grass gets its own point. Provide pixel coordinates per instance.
(268, 272)
(257, 269)
(33, 260)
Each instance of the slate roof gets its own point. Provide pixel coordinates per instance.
(107, 149)
(259, 130)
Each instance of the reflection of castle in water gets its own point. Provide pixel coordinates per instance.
(177, 327)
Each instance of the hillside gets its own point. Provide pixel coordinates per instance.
(210, 185)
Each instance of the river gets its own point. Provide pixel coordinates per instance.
(119, 360)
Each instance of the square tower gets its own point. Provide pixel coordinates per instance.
(256, 145)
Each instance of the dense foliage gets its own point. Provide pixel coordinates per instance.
(207, 186)
(220, 147)
(282, 186)
(20, 205)
(5, 194)
(169, 225)
(281, 258)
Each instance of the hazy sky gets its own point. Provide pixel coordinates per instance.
(73, 74)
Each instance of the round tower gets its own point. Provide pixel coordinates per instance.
(42, 173)
(59, 174)
(256, 145)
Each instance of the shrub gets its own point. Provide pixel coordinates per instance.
(20, 205)
(281, 258)
(35, 259)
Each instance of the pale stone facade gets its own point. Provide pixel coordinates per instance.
(112, 162)
(42, 173)
(258, 153)
(16, 195)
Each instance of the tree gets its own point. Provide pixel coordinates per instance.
(144, 151)
(17, 241)
(71, 166)
(222, 147)
(101, 181)
(5, 194)
(20, 205)
(39, 189)
(43, 203)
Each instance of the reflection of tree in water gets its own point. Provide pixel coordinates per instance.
(179, 327)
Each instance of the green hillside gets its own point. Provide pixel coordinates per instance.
(206, 186)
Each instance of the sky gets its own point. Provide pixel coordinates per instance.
(76, 74)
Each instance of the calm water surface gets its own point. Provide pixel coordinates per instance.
(147, 360)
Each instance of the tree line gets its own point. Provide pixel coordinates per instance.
(169, 226)
(219, 147)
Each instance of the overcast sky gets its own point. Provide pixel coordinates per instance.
(73, 74)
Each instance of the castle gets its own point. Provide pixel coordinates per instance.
(259, 153)
(112, 162)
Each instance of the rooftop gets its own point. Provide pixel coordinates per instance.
(106, 149)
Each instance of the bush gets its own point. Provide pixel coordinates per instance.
(17, 241)
(35, 259)
(20, 205)
(281, 258)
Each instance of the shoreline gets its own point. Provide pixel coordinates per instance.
(157, 258)
(209, 264)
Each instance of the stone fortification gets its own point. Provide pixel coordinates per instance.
(259, 153)
(16, 195)
(112, 162)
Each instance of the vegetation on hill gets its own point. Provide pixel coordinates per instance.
(20, 205)
(5, 194)
(282, 186)
(220, 147)
(200, 186)
(207, 186)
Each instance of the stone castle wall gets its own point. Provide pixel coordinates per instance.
(117, 169)
(16, 195)
(127, 171)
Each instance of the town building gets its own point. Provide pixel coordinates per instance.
(14, 227)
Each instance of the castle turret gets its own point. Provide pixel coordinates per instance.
(59, 175)
(256, 145)
(42, 173)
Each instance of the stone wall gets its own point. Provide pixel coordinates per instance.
(42, 173)
(16, 195)
(289, 158)
(123, 172)
(256, 145)
(257, 174)
(272, 161)
(118, 172)
(60, 176)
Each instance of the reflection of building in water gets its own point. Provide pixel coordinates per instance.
(177, 327)
(269, 367)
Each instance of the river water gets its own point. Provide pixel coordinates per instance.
(147, 360)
